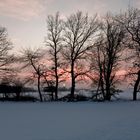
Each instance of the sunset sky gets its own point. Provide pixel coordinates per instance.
(26, 19)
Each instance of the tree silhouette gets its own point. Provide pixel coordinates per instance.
(106, 56)
(54, 42)
(31, 58)
(78, 35)
(5, 57)
(131, 21)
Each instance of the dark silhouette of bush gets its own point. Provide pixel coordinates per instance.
(9, 91)
(51, 90)
(77, 97)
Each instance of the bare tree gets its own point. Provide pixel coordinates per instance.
(131, 21)
(107, 54)
(96, 66)
(54, 42)
(5, 47)
(32, 58)
(78, 37)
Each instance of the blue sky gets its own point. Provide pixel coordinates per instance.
(26, 19)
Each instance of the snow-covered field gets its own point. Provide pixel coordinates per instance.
(115, 120)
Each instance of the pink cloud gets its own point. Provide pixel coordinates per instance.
(21, 9)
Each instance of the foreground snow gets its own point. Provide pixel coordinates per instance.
(117, 120)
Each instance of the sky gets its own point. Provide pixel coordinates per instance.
(25, 20)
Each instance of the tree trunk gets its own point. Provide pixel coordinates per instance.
(136, 86)
(56, 80)
(108, 81)
(72, 82)
(102, 84)
(39, 91)
(56, 73)
(101, 87)
(72, 89)
(108, 95)
(56, 90)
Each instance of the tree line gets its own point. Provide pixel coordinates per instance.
(79, 48)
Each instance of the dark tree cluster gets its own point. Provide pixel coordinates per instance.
(80, 48)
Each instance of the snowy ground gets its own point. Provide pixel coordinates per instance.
(116, 120)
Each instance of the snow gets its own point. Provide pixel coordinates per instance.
(115, 120)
